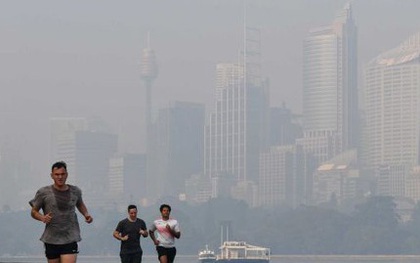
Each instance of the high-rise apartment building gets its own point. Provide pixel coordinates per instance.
(392, 106)
(330, 97)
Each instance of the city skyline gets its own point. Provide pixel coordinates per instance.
(77, 75)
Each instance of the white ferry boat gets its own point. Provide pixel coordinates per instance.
(241, 252)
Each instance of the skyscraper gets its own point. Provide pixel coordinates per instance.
(238, 126)
(392, 98)
(330, 97)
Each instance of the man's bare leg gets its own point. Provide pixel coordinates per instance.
(68, 258)
(163, 259)
(55, 260)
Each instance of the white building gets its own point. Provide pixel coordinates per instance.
(392, 98)
(330, 97)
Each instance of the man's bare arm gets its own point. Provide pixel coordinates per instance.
(84, 211)
(40, 217)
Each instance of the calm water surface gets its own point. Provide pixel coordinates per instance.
(274, 259)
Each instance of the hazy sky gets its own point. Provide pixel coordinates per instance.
(81, 58)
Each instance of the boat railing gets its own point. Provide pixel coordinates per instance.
(240, 249)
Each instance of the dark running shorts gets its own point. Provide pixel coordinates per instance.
(169, 252)
(54, 251)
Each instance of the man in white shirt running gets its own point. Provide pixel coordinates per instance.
(167, 229)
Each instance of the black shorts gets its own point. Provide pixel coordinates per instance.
(54, 251)
(131, 258)
(169, 252)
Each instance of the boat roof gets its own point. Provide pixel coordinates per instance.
(241, 245)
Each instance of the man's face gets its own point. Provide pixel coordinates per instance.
(165, 212)
(132, 213)
(59, 175)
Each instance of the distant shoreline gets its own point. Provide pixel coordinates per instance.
(7, 259)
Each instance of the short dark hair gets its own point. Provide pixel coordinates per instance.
(131, 207)
(163, 206)
(58, 165)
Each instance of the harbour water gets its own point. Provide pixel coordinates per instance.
(274, 259)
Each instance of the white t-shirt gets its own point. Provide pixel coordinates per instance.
(162, 234)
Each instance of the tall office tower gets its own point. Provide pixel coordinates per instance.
(238, 126)
(177, 149)
(149, 72)
(330, 102)
(392, 106)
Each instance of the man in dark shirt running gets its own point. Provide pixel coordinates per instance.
(128, 231)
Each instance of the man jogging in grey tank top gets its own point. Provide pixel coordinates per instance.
(58, 203)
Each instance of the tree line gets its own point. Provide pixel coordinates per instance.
(372, 227)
